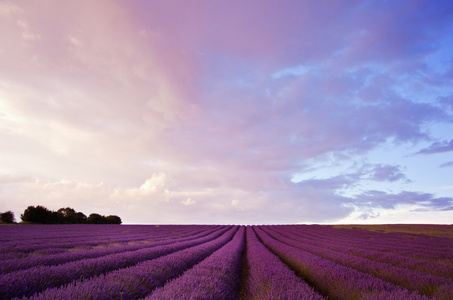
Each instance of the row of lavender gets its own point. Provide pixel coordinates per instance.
(43, 251)
(232, 262)
(54, 270)
(21, 241)
(338, 274)
(139, 280)
(211, 269)
(399, 243)
(433, 255)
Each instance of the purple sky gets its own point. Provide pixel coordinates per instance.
(245, 112)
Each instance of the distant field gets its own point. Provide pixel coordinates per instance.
(226, 262)
(435, 230)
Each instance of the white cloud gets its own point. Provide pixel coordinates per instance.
(157, 181)
(188, 202)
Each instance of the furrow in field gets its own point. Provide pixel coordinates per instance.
(427, 267)
(17, 264)
(420, 246)
(140, 280)
(216, 277)
(78, 237)
(29, 281)
(269, 278)
(332, 279)
(425, 284)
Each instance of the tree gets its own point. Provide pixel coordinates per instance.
(96, 219)
(80, 218)
(113, 219)
(7, 217)
(40, 215)
(67, 215)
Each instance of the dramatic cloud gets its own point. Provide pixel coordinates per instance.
(438, 147)
(226, 111)
(387, 173)
(385, 200)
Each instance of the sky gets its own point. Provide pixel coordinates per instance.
(229, 112)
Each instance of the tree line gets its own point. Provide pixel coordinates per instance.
(67, 215)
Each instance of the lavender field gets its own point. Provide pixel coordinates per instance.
(226, 262)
